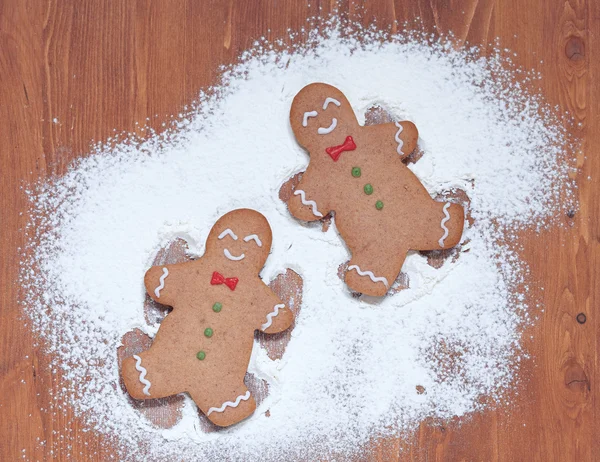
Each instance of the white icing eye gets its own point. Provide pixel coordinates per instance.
(253, 237)
(326, 130)
(331, 100)
(307, 115)
(226, 232)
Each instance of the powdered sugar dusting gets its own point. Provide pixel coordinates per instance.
(355, 369)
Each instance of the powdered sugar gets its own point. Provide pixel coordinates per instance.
(353, 367)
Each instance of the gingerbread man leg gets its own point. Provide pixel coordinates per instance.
(439, 226)
(369, 272)
(146, 377)
(236, 404)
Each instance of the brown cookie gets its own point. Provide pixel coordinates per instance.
(203, 346)
(381, 208)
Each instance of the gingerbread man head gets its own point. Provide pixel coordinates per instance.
(240, 239)
(321, 117)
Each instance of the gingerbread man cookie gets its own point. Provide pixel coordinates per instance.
(203, 346)
(381, 208)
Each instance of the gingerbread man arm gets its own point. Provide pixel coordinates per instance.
(275, 317)
(304, 203)
(401, 136)
(163, 283)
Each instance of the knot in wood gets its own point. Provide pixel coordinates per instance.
(575, 377)
(575, 48)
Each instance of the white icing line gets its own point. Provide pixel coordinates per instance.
(307, 115)
(161, 286)
(331, 100)
(313, 204)
(142, 370)
(231, 257)
(443, 225)
(271, 315)
(226, 404)
(397, 138)
(226, 232)
(370, 274)
(255, 237)
(325, 131)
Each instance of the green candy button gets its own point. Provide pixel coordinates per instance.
(378, 205)
(208, 332)
(368, 189)
(201, 355)
(355, 172)
(217, 307)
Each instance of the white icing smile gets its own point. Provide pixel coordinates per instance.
(232, 257)
(325, 131)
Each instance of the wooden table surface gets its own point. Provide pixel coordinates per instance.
(106, 65)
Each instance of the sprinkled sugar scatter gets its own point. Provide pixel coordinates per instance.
(354, 367)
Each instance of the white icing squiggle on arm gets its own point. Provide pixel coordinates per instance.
(162, 282)
(443, 225)
(331, 100)
(226, 404)
(255, 237)
(326, 130)
(397, 138)
(226, 232)
(307, 115)
(370, 274)
(142, 370)
(312, 204)
(271, 315)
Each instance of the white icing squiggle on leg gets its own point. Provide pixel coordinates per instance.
(443, 225)
(313, 204)
(162, 283)
(271, 315)
(142, 370)
(226, 404)
(397, 138)
(370, 274)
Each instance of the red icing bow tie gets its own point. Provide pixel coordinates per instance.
(218, 279)
(336, 151)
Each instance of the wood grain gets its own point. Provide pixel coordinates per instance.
(106, 66)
